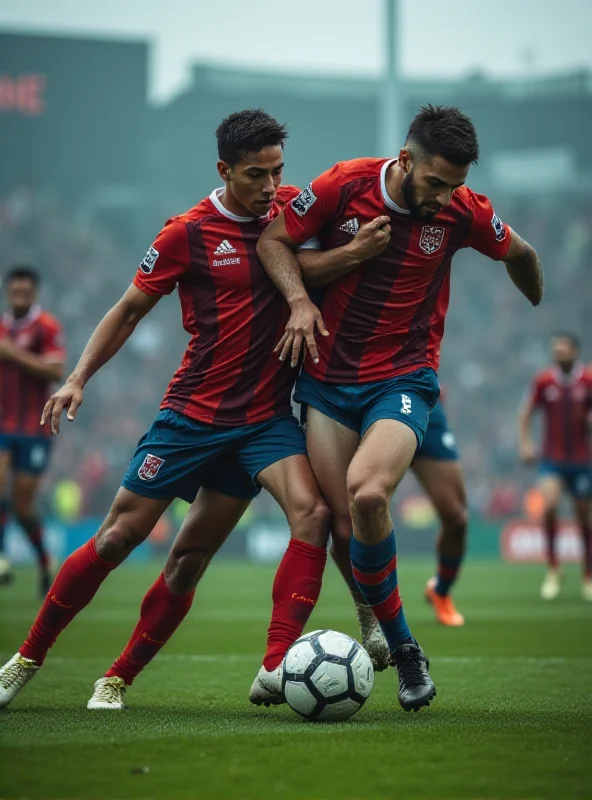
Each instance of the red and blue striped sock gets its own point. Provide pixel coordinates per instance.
(448, 569)
(375, 570)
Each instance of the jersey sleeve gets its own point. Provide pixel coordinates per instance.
(535, 396)
(308, 213)
(166, 261)
(488, 234)
(53, 342)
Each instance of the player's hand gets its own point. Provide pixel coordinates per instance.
(7, 348)
(70, 397)
(300, 331)
(528, 453)
(372, 238)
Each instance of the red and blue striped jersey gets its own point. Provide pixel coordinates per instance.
(566, 404)
(23, 395)
(229, 375)
(386, 317)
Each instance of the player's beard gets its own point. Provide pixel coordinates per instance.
(410, 197)
(408, 190)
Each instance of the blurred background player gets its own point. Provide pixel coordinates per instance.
(31, 358)
(437, 468)
(563, 394)
(373, 385)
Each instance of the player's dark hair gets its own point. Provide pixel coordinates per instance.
(21, 272)
(444, 131)
(571, 338)
(248, 131)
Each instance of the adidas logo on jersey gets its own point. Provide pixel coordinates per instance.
(224, 248)
(352, 226)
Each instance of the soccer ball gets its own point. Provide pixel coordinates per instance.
(327, 676)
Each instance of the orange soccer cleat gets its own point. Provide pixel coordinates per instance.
(444, 607)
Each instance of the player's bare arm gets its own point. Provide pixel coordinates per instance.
(526, 446)
(322, 267)
(524, 268)
(106, 340)
(44, 367)
(276, 251)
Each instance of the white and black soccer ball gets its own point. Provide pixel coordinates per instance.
(327, 676)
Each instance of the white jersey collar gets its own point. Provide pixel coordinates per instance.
(388, 201)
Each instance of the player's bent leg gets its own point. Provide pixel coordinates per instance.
(209, 521)
(25, 488)
(443, 483)
(384, 455)
(297, 583)
(583, 514)
(551, 487)
(131, 519)
(331, 447)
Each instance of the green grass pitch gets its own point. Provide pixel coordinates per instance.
(512, 719)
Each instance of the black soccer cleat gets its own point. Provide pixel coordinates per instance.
(416, 688)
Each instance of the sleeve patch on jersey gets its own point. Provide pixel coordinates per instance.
(149, 260)
(304, 201)
(498, 227)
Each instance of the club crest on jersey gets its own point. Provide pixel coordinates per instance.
(150, 466)
(431, 238)
(149, 260)
(498, 227)
(304, 201)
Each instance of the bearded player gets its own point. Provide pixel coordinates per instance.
(371, 390)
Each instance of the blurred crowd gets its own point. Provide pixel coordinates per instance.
(494, 343)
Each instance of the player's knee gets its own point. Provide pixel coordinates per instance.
(118, 536)
(183, 569)
(22, 509)
(22, 515)
(341, 530)
(455, 519)
(310, 521)
(367, 500)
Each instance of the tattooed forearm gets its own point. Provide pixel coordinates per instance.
(524, 268)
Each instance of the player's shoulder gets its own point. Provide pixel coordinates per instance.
(285, 193)
(468, 200)
(544, 377)
(197, 213)
(48, 321)
(359, 169)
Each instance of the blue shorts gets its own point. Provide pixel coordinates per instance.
(406, 398)
(27, 453)
(439, 442)
(577, 478)
(177, 455)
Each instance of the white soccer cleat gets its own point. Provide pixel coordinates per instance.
(587, 589)
(551, 586)
(13, 676)
(373, 638)
(267, 688)
(108, 694)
